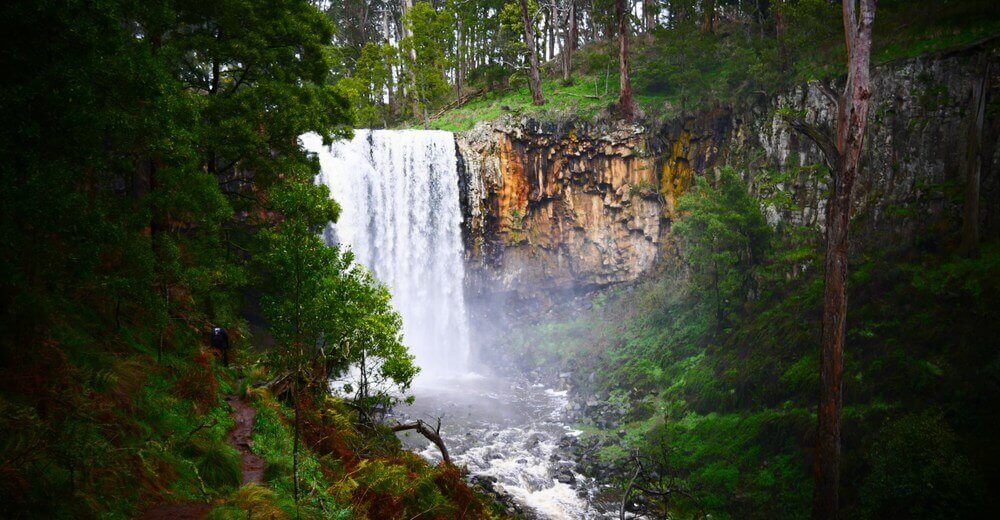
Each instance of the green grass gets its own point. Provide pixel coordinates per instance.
(585, 97)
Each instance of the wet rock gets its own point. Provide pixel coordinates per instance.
(565, 476)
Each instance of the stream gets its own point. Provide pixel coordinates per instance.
(508, 430)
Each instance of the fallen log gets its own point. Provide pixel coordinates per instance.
(433, 435)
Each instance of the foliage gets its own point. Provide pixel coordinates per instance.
(731, 411)
(156, 186)
(678, 68)
(725, 239)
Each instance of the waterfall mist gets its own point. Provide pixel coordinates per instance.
(398, 190)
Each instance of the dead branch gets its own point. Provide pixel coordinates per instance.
(818, 136)
(433, 435)
(588, 96)
(458, 102)
(280, 384)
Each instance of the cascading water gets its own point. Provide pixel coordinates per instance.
(398, 190)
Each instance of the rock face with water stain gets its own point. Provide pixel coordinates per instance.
(551, 208)
(559, 207)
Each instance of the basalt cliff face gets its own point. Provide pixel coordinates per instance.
(551, 209)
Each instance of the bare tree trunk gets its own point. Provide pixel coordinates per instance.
(973, 162)
(535, 81)
(708, 26)
(841, 156)
(549, 31)
(626, 105)
(649, 8)
(569, 27)
(389, 84)
(852, 117)
(593, 20)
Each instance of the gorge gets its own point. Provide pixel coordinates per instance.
(496, 225)
(576, 260)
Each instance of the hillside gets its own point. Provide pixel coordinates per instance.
(683, 70)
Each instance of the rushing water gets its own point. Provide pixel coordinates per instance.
(509, 430)
(398, 190)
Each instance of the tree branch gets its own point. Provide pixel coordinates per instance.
(432, 435)
(817, 135)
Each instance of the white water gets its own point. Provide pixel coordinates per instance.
(398, 190)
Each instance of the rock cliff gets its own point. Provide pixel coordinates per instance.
(554, 208)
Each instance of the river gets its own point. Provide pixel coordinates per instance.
(507, 429)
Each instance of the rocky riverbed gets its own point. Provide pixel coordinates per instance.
(517, 440)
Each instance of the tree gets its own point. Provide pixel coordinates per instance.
(534, 80)
(429, 34)
(725, 238)
(626, 105)
(841, 155)
(134, 230)
(326, 313)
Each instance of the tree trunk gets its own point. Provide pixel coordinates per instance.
(626, 105)
(574, 28)
(972, 163)
(852, 117)
(389, 86)
(708, 25)
(550, 39)
(593, 20)
(407, 33)
(568, 42)
(780, 34)
(295, 439)
(649, 8)
(529, 38)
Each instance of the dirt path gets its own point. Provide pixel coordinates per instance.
(253, 466)
(239, 437)
(186, 511)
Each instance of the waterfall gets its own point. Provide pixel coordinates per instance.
(398, 190)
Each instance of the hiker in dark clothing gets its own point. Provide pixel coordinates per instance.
(220, 341)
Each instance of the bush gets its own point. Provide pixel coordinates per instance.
(917, 471)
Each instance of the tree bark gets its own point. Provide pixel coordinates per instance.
(780, 34)
(550, 40)
(973, 162)
(535, 80)
(574, 28)
(852, 117)
(626, 105)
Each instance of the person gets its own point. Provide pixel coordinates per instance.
(220, 341)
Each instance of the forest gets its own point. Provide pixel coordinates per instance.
(567, 200)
